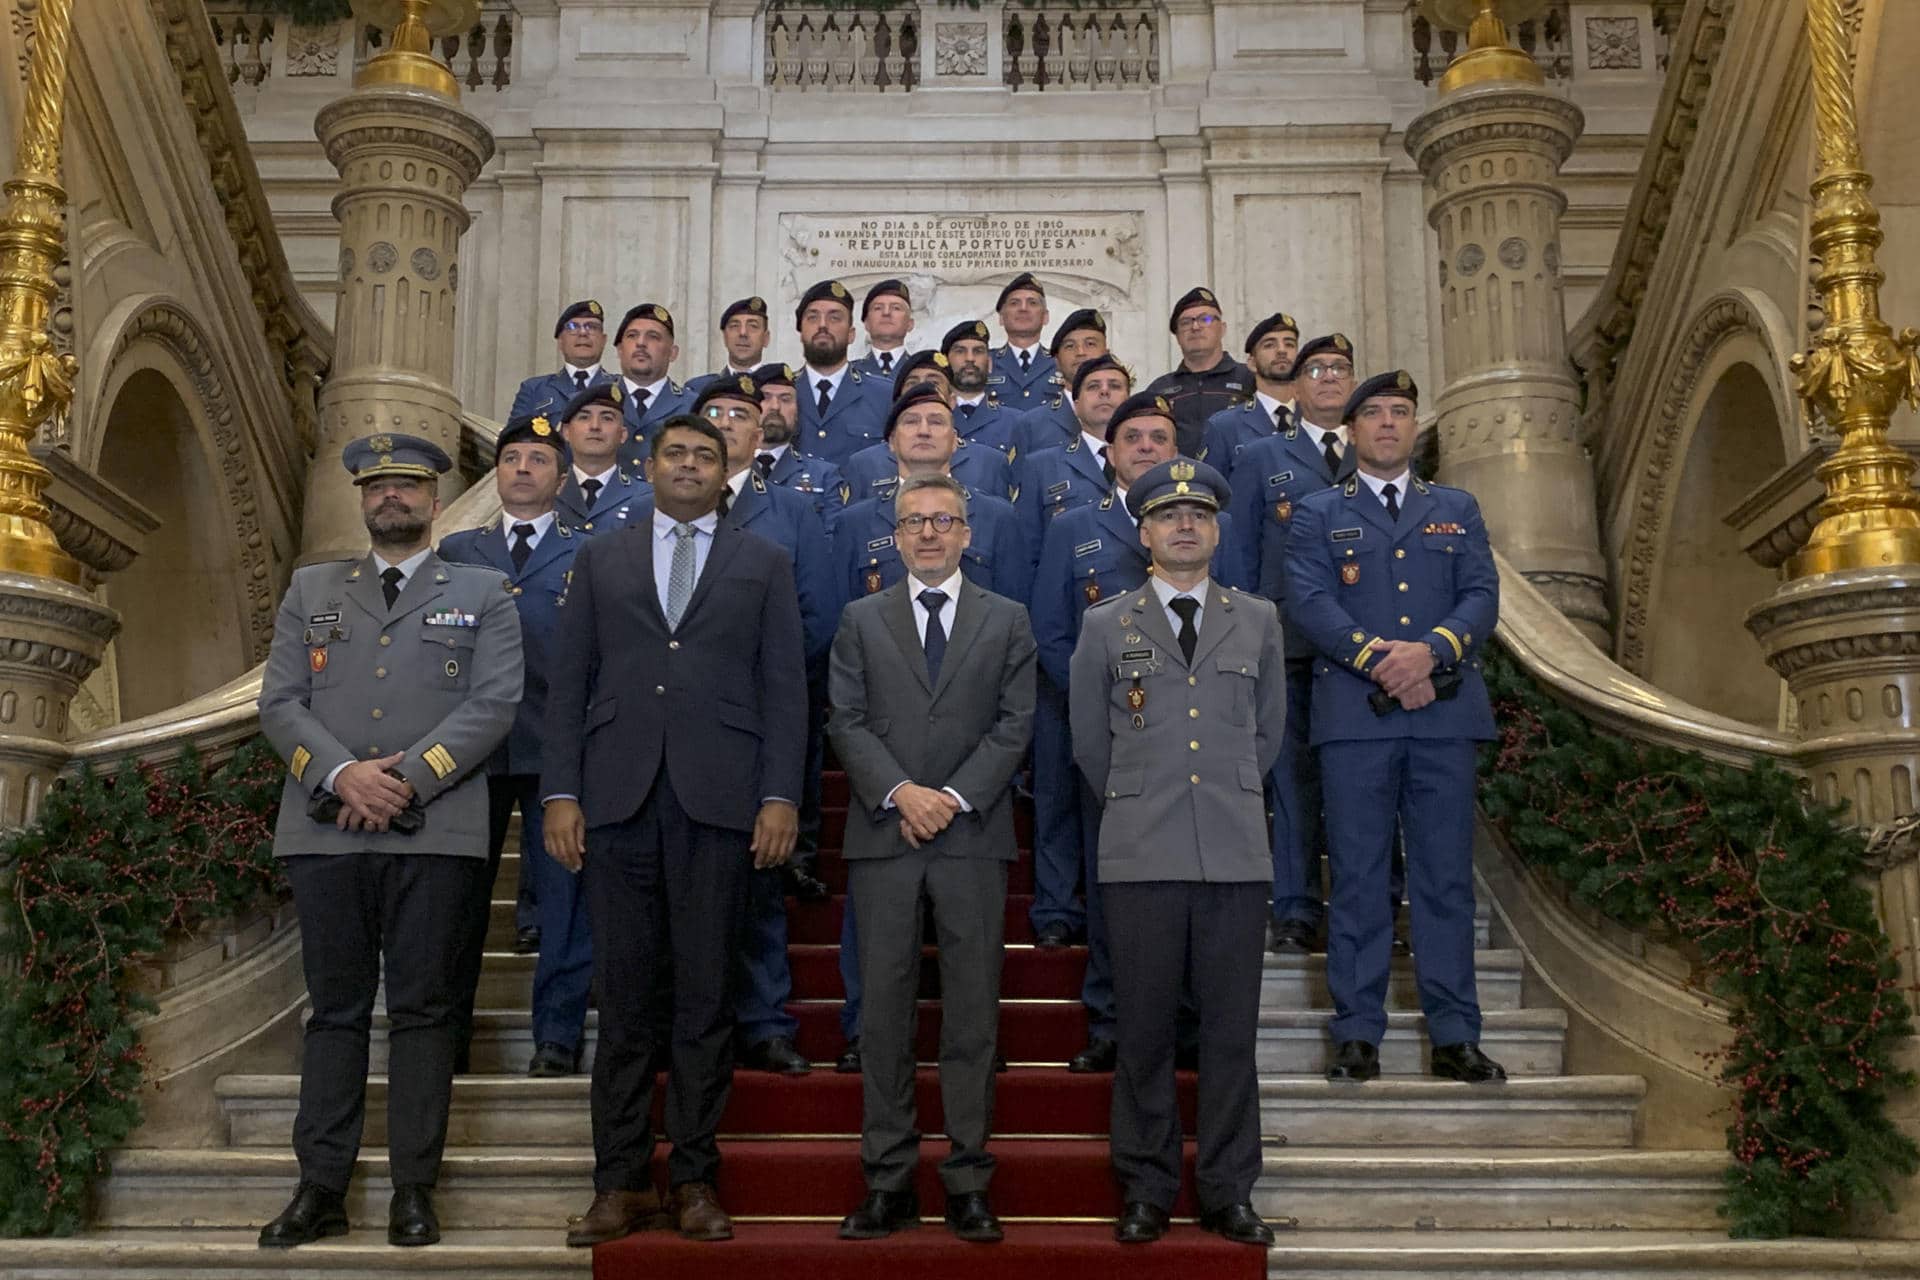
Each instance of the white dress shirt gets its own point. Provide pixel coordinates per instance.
(541, 523)
(834, 381)
(1318, 435)
(1032, 353)
(948, 611)
(605, 477)
(1120, 503)
(653, 390)
(1095, 446)
(575, 370)
(663, 539)
(1398, 482)
(1167, 592)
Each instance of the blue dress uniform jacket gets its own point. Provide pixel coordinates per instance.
(855, 418)
(1055, 481)
(1019, 390)
(1354, 577)
(997, 559)
(437, 676)
(673, 398)
(1050, 425)
(989, 423)
(549, 392)
(787, 519)
(874, 471)
(869, 364)
(823, 483)
(536, 591)
(612, 508)
(1276, 473)
(698, 383)
(1232, 430)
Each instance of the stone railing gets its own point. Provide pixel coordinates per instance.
(1092, 44)
(259, 50)
(1548, 39)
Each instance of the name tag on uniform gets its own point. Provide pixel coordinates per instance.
(1087, 548)
(1232, 386)
(320, 618)
(1062, 487)
(880, 544)
(452, 618)
(1345, 535)
(998, 377)
(1137, 655)
(1282, 478)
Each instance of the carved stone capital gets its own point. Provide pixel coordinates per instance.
(1503, 116)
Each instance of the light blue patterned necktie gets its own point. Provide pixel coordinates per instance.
(680, 576)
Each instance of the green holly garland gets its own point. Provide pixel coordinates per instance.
(1769, 891)
(115, 863)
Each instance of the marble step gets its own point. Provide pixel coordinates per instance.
(1552, 1111)
(1323, 1189)
(1527, 1042)
(363, 1254)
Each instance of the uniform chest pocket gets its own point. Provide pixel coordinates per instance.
(326, 647)
(449, 660)
(1240, 674)
(1439, 553)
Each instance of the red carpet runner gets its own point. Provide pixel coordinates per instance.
(791, 1147)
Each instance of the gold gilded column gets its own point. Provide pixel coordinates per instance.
(406, 152)
(1490, 151)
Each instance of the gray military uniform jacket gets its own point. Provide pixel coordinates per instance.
(1178, 751)
(437, 676)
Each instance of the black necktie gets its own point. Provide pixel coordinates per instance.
(1106, 468)
(1026, 361)
(826, 397)
(886, 362)
(1279, 417)
(1393, 502)
(522, 545)
(933, 601)
(726, 499)
(590, 489)
(580, 379)
(390, 584)
(763, 465)
(966, 410)
(640, 398)
(1186, 607)
(1330, 450)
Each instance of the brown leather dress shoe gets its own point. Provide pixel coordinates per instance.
(614, 1214)
(698, 1215)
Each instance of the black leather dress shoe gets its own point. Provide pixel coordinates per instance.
(1354, 1062)
(550, 1060)
(313, 1214)
(1291, 938)
(1098, 1058)
(1053, 934)
(1140, 1223)
(969, 1218)
(1466, 1062)
(776, 1055)
(881, 1214)
(803, 884)
(848, 1063)
(410, 1217)
(526, 942)
(1238, 1223)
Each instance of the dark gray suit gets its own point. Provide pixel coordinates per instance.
(968, 731)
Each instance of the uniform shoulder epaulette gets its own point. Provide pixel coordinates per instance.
(1108, 604)
(491, 526)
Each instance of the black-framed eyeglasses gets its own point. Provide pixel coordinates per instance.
(585, 326)
(1198, 322)
(731, 412)
(942, 523)
(1321, 372)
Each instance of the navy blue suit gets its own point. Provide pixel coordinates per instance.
(1019, 390)
(1271, 477)
(1354, 577)
(1049, 425)
(1231, 430)
(856, 416)
(673, 398)
(822, 482)
(548, 393)
(990, 422)
(564, 970)
(1091, 553)
(612, 508)
(874, 471)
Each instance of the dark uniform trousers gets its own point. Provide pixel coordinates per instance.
(657, 885)
(355, 909)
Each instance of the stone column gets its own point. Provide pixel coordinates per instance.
(406, 152)
(1491, 152)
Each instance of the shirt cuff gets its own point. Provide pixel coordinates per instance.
(561, 795)
(964, 806)
(333, 773)
(888, 802)
(777, 800)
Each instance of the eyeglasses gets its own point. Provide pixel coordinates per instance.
(1167, 517)
(1321, 372)
(585, 326)
(942, 523)
(731, 412)
(1198, 322)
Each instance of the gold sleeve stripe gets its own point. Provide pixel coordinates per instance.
(439, 759)
(1366, 651)
(1459, 650)
(301, 759)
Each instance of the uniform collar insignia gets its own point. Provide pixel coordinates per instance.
(1353, 486)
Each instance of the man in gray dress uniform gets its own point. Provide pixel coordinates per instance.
(1177, 701)
(391, 680)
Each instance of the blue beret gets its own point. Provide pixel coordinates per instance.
(911, 396)
(1178, 480)
(918, 360)
(1394, 382)
(1278, 320)
(768, 375)
(754, 306)
(585, 307)
(609, 392)
(735, 386)
(1084, 318)
(1024, 280)
(391, 454)
(1198, 296)
(533, 427)
(1099, 362)
(966, 330)
(1142, 404)
(826, 290)
(646, 311)
(886, 288)
(1334, 342)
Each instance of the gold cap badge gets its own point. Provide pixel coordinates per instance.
(1160, 403)
(1402, 381)
(594, 308)
(1181, 471)
(837, 289)
(1340, 342)
(541, 427)
(381, 444)
(746, 384)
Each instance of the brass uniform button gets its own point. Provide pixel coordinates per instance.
(386, 640)
(1403, 586)
(1399, 553)
(1193, 746)
(1194, 778)
(1193, 713)
(659, 688)
(377, 713)
(673, 644)
(1191, 680)
(379, 673)
(1406, 622)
